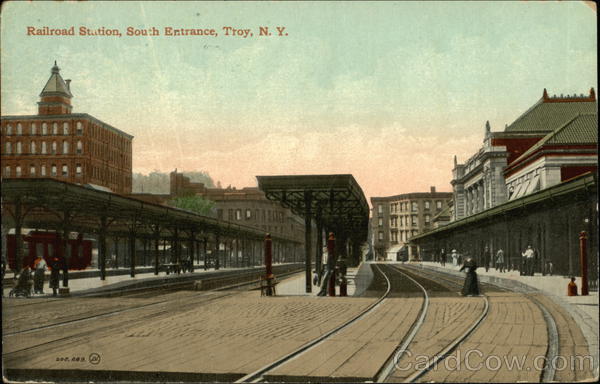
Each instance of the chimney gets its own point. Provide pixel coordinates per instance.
(545, 95)
(432, 189)
(68, 81)
(592, 94)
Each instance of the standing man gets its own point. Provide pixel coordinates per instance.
(486, 258)
(500, 261)
(55, 267)
(529, 255)
(443, 257)
(39, 265)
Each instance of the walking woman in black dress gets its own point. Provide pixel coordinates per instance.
(471, 287)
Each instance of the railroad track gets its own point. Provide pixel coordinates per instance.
(202, 300)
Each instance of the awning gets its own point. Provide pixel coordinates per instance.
(395, 249)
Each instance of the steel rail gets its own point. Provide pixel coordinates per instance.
(258, 375)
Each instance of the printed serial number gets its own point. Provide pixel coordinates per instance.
(76, 359)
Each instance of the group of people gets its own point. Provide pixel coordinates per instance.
(500, 261)
(24, 279)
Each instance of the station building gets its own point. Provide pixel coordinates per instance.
(554, 140)
(396, 219)
(73, 147)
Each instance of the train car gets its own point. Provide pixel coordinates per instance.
(48, 244)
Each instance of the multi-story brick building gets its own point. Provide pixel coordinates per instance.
(554, 140)
(73, 147)
(247, 206)
(395, 219)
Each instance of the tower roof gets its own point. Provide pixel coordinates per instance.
(56, 85)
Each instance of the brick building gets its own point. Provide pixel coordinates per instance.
(396, 219)
(247, 206)
(554, 140)
(73, 147)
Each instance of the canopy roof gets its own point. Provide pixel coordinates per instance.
(337, 200)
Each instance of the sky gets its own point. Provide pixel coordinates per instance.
(387, 91)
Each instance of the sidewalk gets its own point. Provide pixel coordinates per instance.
(583, 309)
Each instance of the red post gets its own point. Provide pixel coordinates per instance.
(331, 263)
(269, 277)
(583, 263)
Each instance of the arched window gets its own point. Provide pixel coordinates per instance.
(78, 170)
(55, 128)
(33, 129)
(79, 147)
(53, 169)
(32, 148)
(8, 148)
(9, 130)
(65, 170)
(43, 170)
(18, 171)
(54, 147)
(19, 129)
(79, 128)
(44, 149)
(19, 148)
(44, 129)
(7, 171)
(65, 147)
(65, 128)
(32, 170)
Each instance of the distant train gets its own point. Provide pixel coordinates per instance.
(48, 244)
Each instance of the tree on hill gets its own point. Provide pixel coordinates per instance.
(159, 182)
(193, 203)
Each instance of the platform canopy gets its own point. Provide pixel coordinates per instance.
(337, 200)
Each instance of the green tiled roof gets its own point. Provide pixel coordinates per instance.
(548, 116)
(581, 129)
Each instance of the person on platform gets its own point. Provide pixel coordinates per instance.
(528, 256)
(500, 261)
(471, 286)
(454, 258)
(486, 258)
(23, 286)
(443, 257)
(39, 267)
(55, 267)
(572, 288)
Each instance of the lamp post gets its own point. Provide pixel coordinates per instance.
(583, 261)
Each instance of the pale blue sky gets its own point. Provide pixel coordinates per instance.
(388, 91)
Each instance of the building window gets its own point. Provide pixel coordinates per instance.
(380, 208)
(55, 129)
(427, 204)
(438, 204)
(32, 147)
(8, 148)
(380, 222)
(43, 170)
(53, 169)
(54, 147)
(32, 170)
(33, 129)
(427, 219)
(18, 171)
(65, 147)
(78, 169)
(238, 214)
(415, 233)
(9, 130)
(19, 148)
(65, 170)
(79, 128)
(19, 129)
(44, 129)
(415, 206)
(380, 236)
(414, 220)
(7, 171)
(65, 128)
(44, 149)
(248, 214)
